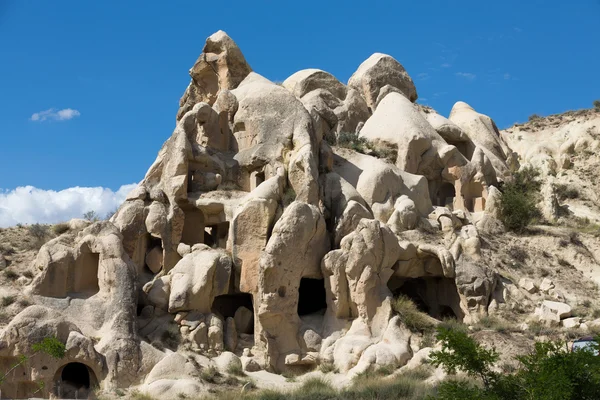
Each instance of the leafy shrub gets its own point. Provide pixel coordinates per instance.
(518, 201)
(596, 104)
(534, 117)
(549, 372)
(351, 140)
(410, 315)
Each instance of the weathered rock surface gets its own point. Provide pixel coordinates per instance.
(258, 240)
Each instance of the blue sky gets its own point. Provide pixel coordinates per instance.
(112, 72)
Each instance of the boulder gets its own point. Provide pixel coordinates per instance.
(546, 285)
(378, 71)
(528, 285)
(197, 279)
(227, 360)
(244, 320)
(571, 323)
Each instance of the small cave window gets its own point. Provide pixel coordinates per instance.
(445, 195)
(311, 296)
(74, 381)
(216, 235)
(256, 178)
(193, 227)
(228, 304)
(154, 245)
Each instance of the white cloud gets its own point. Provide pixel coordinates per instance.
(446, 65)
(60, 115)
(423, 76)
(466, 75)
(28, 205)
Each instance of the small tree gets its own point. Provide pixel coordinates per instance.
(461, 352)
(91, 216)
(519, 198)
(550, 372)
(597, 104)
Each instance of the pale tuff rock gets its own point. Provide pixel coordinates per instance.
(333, 107)
(254, 240)
(378, 71)
(220, 66)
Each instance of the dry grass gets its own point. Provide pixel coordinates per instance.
(414, 319)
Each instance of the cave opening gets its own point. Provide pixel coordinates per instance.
(193, 227)
(216, 235)
(445, 195)
(311, 296)
(75, 381)
(436, 296)
(228, 304)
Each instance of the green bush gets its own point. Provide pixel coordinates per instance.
(597, 104)
(549, 372)
(518, 200)
(533, 117)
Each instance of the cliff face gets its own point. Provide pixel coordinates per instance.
(279, 222)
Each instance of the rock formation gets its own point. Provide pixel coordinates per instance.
(255, 235)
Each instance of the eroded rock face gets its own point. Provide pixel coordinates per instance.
(378, 71)
(255, 241)
(220, 66)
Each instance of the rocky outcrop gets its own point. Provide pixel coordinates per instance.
(255, 240)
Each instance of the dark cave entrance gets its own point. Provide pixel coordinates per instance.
(74, 381)
(227, 304)
(436, 296)
(445, 195)
(216, 235)
(311, 296)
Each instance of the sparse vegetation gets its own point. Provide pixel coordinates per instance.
(379, 149)
(326, 367)
(534, 117)
(210, 374)
(235, 369)
(60, 228)
(410, 315)
(549, 372)
(596, 104)
(38, 231)
(564, 191)
(518, 201)
(10, 274)
(8, 300)
(91, 216)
